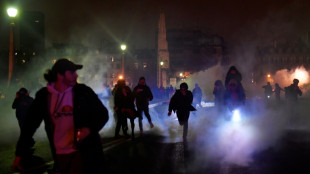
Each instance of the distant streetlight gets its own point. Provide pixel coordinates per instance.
(123, 48)
(268, 75)
(12, 12)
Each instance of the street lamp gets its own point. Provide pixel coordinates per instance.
(123, 48)
(12, 12)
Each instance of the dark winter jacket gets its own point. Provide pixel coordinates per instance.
(292, 92)
(141, 94)
(121, 101)
(179, 102)
(232, 73)
(21, 104)
(88, 111)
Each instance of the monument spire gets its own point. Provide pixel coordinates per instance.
(162, 53)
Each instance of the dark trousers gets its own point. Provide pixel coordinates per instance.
(183, 120)
(121, 122)
(144, 109)
(132, 123)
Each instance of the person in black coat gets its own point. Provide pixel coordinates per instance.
(181, 103)
(143, 95)
(125, 108)
(197, 94)
(218, 92)
(21, 103)
(232, 73)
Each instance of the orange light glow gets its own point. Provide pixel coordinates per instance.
(268, 75)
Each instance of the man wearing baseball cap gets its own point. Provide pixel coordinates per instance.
(73, 116)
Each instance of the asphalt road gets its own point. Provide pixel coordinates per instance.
(161, 150)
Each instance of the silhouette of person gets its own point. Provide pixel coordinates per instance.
(197, 94)
(21, 103)
(277, 92)
(268, 90)
(181, 103)
(143, 94)
(125, 108)
(218, 92)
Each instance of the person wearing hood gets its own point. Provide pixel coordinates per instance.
(21, 103)
(232, 73)
(142, 95)
(73, 116)
(181, 103)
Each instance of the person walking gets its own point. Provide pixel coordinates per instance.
(73, 116)
(125, 108)
(218, 92)
(268, 90)
(197, 94)
(291, 93)
(143, 95)
(181, 103)
(277, 92)
(21, 103)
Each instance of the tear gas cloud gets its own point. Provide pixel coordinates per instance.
(285, 77)
(262, 126)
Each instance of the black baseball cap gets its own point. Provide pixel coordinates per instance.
(63, 65)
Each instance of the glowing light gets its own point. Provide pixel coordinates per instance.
(161, 63)
(268, 96)
(120, 77)
(12, 12)
(268, 75)
(181, 74)
(236, 117)
(123, 47)
(302, 75)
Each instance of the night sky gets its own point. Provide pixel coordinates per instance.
(135, 21)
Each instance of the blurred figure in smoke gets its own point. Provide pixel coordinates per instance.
(142, 95)
(125, 108)
(22, 103)
(268, 90)
(181, 103)
(292, 91)
(197, 94)
(234, 95)
(291, 95)
(170, 91)
(73, 116)
(277, 92)
(218, 93)
(232, 73)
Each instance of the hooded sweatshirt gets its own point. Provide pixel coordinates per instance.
(61, 113)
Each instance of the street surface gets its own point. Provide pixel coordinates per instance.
(274, 148)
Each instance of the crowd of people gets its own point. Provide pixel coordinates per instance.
(73, 113)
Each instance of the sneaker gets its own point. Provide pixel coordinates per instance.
(151, 125)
